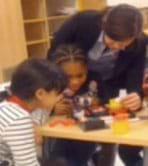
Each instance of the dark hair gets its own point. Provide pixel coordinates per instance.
(123, 22)
(68, 52)
(3, 95)
(34, 74)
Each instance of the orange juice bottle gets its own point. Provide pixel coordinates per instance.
(121, 124)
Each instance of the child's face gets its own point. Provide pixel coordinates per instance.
(76, 72)
(47, 100)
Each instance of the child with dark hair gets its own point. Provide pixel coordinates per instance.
(35, 84)
(71, 59)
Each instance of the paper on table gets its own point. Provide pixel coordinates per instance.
(109, 119)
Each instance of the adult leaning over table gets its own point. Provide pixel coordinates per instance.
(115, 47)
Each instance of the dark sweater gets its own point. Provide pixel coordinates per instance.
(84, 29)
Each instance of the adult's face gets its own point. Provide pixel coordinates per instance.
(117, 45)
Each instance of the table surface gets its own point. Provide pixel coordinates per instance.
(138, 134)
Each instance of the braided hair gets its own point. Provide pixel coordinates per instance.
(68, 52)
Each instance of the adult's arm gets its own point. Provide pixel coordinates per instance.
(81, 29)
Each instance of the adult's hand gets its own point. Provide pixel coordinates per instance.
(132, 101)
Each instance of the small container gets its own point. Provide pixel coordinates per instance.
(115, 107)
(121, 124)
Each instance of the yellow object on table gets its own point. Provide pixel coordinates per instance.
(116, 107)
(114, 104)
(121, 124)
(91, 4)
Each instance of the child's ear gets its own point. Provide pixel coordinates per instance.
(40, 93)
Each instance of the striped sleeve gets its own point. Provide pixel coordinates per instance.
(20, 138)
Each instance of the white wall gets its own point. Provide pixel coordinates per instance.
(137, 3)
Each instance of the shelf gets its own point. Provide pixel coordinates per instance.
(30, 21)
(58, 17)
(7, 73)
(33, 9)
(42, 18)
(55, 7)
(55, 25)
(38, 20)
(38, 51)
(35, 31)
(29, 43)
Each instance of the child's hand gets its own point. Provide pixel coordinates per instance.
(132, 101)
(63, 107)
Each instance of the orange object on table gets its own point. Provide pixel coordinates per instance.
(65, 122)
(121, 124)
